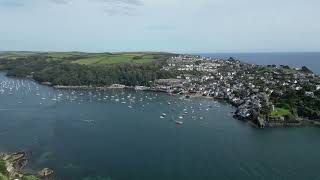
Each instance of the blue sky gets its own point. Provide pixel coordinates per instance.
(160, 25)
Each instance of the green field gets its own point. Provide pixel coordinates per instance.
(280, 112)
(90, 58)
(64, 54)
(115, 58)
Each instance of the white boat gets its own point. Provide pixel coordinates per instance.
(178, 122)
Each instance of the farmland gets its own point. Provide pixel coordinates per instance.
(89, 58)
(115, 58)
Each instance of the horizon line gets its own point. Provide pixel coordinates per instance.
(173, 52)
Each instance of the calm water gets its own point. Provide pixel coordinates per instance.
(311, 60)
(90, 135)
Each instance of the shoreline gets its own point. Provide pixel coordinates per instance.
(91, 87)
(12, 166)
(275, 124)
(297, 122)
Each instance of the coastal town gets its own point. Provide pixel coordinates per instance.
(258, 92)
(266, 95)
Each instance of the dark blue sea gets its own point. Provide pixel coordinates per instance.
(309, 59)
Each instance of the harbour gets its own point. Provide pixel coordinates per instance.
(89, 134)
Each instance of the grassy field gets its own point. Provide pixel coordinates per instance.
(64, 54)
(280, 112)
(115, 58)
(89, 58)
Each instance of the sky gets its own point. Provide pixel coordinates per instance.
(160, 25)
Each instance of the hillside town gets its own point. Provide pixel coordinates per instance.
(260, 93)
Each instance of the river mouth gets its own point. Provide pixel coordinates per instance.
(127, 134)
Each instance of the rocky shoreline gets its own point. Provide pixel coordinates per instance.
(13, 164)
(256, 121)
(260, 122)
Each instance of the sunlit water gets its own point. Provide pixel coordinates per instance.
(118, 134)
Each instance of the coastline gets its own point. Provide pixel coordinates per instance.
(12, 166)
(118, 86)
(272, 124)
(298, 122)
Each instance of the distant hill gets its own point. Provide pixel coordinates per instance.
(90, 58)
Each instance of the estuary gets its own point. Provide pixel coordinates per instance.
(134, 135)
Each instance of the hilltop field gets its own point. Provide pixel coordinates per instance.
(89, 58)
(87, 69)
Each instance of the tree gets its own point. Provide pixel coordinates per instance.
(3, 168)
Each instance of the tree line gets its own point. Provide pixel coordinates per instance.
(62, 72)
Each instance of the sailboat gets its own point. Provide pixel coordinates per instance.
(178, 122)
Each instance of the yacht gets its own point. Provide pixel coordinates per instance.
(178, 122)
